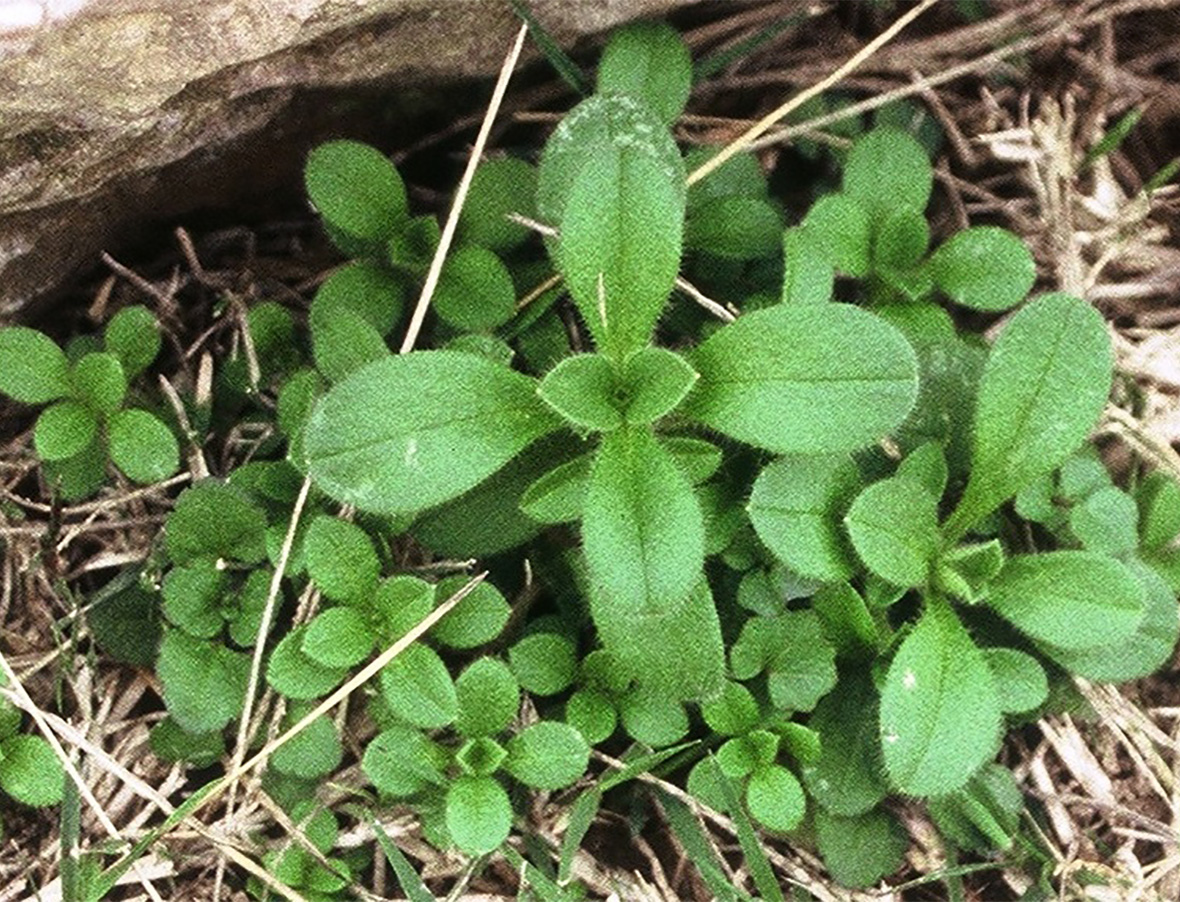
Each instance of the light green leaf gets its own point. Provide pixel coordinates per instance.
(418, 688)
(488, 696)
(338, 637)
(926, 465)
(357, 190)
(1019, 679)
(1070, 599)
(99, 382)
(478, 814)
(1043, 388)
(204, 682)
(294, 673)
(733, 712)
(142, 446)
(483, 615)
(940, 714)
(475, 291)
(697, 458)
(654, 382)
(805, 379)
(859, 851)
(30, 772)
(1158, 497)
(986, 268)
(887, 170)
(341, 559)
(791, 648)
(64, 430)
(846, 620)
(405, 433)
(775, 799)
(400, 761)
(893, 525)
(544, 663)
(481, 756)
(808, 278)
(133, 335)
(652, 717)
(559, 495)
(1106, 521)
(584, 391)
(795, 507)
(966, 570)
(33, 369)
(650, 61)
(312, 753)
(547, 755)
(592, 714)
(838, 227)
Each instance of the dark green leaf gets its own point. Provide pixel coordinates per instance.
(499, 187)
(33, 369)
(356, 189)
(99, 382)
(544, 663)
(562, 64)
(64, 430)
(887, 170)
(407, 877)
(408, 432)
(142, 446)
(338, 637)
(212, 519)
(900, 240)
(170, 742)
(341, 560)
(805, 379)
(488, 697)
(967, 570)
(650, 61)
(418, 688)
(795, 507)
(401, 761)
(592, 714)
(734, 228)
(296, 674)
(1113, 137)
(30, 771)
(859, 851)
(312, 753)
(483, 615)
(475, 291)
(547, 755)
(193, 596)
(481, 756)
(204, 683)
(559, 495)
(133, 335)
(893, 525)
(846, 620)
(1070, 599)
(940, 714)
(365, 289)
(985, 268)
(479, 814)
(1043, 387)
(342, 340)
(124, 617)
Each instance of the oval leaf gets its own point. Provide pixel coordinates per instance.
(408, 432)
(478, 814)
(417, 687)
(648, 60)
(805, 379)
(986, 268)
(33, 369)
(547, 755)
(142, 446)
(893, 525)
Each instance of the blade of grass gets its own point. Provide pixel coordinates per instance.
(699, 850)
(1109, 142)
(407, 877)
(71, 825)
(532, 877)
(570, 72)
(756, 860)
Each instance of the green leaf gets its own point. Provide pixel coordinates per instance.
(1158, 497)
(739, 176)
(99, 382)
(312, 753)
(926, 465)
(204, 682)
(613, 182)
(561, 62)
(342, 340)
(653, 717)
(1043, 388)
(357, 191)
(887, 170)
(697, 458)
(30, 771)
(63, 430)
(592, 714)
(900, 241)
(400, 761)
(338, 637)
(559, 495)
(475, 291)
(124, 618)
(212, 519)
(478, 813)
(33, 369)
(544, 663)
(734, 228)
(795, 507)
(838, 227)
(1144, 651)
(775, 799)
(654, 382)
(488, 697)
(417, 687)
(399, 604)
(859, 851)
(805, 379)
(364, 289)
(807, 276)
(846, 620)
(731, 713)
(966, 570)
(294, 673)
(1113, 137)
(1070, 599)
(481, 756)
(650, 61)
(1106, 521)
(170, 742)
(986, 268)
(940, 714)
(847, 778)
(547, 755)
(411, 431)
(499, 187)
(893, 525)
(583, 390)
(133, 335)
(1019, 679)
(483, 616)
(791, 648)
(407, 876)
(983, 816)
(142, 446)
(341, 559)
(192, 596)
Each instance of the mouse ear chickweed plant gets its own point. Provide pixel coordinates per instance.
(828, 536)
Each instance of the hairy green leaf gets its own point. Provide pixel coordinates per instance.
(478, 814)
(499, 187)
(650, 61)
(775, 798)
(1019, 679)
(213, 519)
(583, 390)
(559, 495)
(986, 268)
(338, 637)
(543, 663)
(418, 688)
(341, 559)
(847, 778)
(887, 170)
(475, 291)
(858, 851)
(312, 753)
(357, 191)
(893, 525)
(488, 696)
(30, 772)
(133, 335)
(204, 682)
(547, 755)
(33, 369)
(294, 673)
(400, 761)
(838, 227)
(99, 382)
(142, 446)
(484, 614)
(63, 430)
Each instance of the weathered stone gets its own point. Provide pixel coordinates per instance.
(118, 113)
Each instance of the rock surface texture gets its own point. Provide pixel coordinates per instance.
(117, 112)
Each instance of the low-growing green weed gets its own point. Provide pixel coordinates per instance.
(771, 498)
